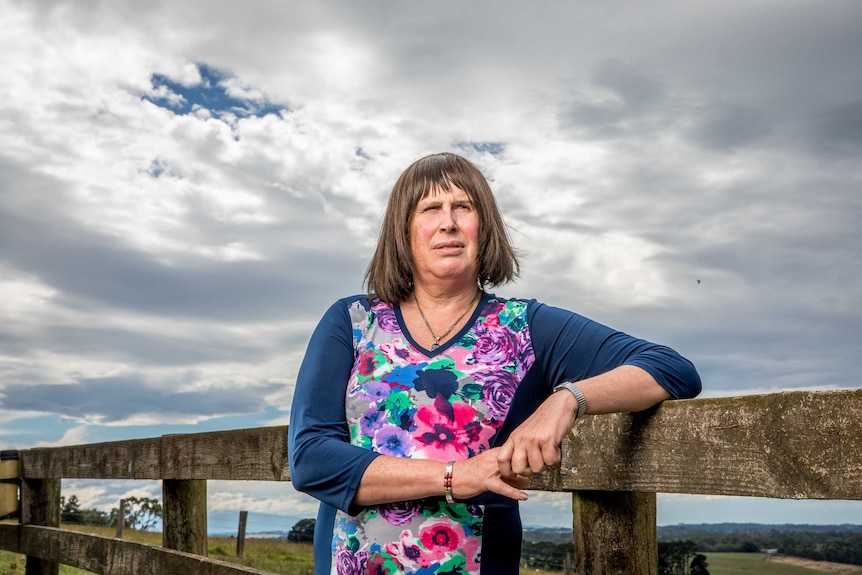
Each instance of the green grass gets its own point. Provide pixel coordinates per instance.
(740, 564)
(755, 564)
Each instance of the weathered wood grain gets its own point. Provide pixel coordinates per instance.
(242, 454)
(9, 537)
(185, 515)
(116, 557)
(132, 459)
(40, 505)
(792, 445)
(615, 532)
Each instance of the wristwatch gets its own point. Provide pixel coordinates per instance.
(579, 396)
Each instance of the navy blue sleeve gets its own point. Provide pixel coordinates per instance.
(572, 347)
(323, 463)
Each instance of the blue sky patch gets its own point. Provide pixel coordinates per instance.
(493, 148)
(211, 93)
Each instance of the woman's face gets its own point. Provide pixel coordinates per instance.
(444, 237)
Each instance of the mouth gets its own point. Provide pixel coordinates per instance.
(443, 246)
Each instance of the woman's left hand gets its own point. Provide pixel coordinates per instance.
(535, 444)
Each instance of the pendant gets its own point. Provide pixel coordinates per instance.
(434, 347)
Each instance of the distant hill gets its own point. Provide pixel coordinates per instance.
(841, 543)
(686, 530)
(691, 530)
(552, 534)
(225, 524)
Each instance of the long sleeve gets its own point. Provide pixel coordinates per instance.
(573, 347)
(323, 463)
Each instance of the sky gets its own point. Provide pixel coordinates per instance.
(185, 187)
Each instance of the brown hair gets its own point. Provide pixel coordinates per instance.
(390, 274)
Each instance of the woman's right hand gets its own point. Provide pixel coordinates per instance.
(481, 473)
(388, 479)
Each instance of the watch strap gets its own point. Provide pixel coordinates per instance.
(579, 396)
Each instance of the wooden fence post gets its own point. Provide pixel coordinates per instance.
(10, 479)
(240, 534)
(121, 518)
(40, 505)
(184, 521)
(615, 533)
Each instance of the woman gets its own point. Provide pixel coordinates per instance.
(422, 409)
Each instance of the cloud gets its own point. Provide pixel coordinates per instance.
(130, 399)
(74, 436)
(838, 129)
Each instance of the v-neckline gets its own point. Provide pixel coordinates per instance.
(402, 325)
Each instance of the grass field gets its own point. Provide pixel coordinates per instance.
(759, 564)
(277, 556)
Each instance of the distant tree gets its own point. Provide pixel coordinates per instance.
(94, 517)
(545, 555)
(302, 531)
(70, 510)
(664, 567)
(142, 513)
(698, 565)
(674, 557)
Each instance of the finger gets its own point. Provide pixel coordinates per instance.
(504, 466)
(551, 454)
(501, 487)
(506, 459)
(518, 481)
(504, 452)
(536, 459)
(520, 462)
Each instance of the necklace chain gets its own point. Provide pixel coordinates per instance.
(436, 337)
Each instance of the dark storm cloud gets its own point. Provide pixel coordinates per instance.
(726, 128)
(113, 399)
(838, 130)
(89, 268)
(155, 349)
(630, 100)
(92, 270)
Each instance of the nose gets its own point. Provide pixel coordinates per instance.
(447, 219)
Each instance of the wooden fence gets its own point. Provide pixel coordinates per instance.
(793, 445)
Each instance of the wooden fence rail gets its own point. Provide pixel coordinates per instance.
(792, 445)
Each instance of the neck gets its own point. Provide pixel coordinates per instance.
(453, 306)
(441, 298)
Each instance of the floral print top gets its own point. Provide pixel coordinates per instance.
(405, 401)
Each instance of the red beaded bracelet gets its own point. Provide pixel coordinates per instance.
(447, 482)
